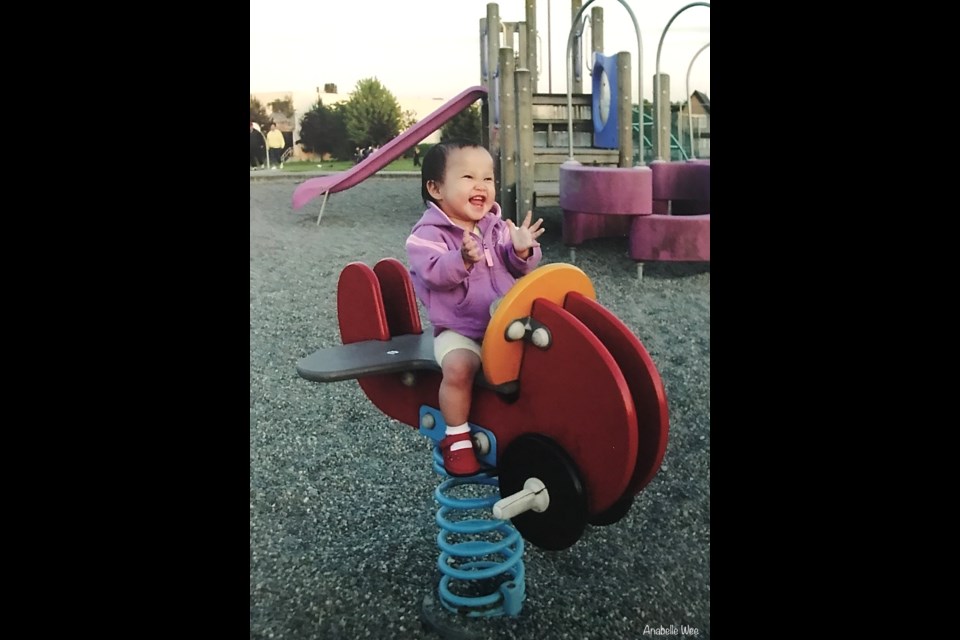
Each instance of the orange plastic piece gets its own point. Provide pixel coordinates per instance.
(500, 357)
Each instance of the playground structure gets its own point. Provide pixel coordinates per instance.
(663, 209)
(534, 133)
(565, 449)
(562, 450)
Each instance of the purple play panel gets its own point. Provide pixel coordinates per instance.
(609, 190)
(604, 202)
(684, 185)
(579, 227)
(670, 238)
(601, 202)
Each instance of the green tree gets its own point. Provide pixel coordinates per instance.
(407, 119)
(323, 130)
(466, 125)
(372, 114)
(259, 115)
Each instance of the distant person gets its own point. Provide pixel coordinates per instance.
(416, 156)
(463, 256)
(275, 144)
(258, 150)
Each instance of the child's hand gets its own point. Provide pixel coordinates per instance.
(525, 236)
(470, 250)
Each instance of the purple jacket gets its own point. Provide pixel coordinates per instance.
(454, 297)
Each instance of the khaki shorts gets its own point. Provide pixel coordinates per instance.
(449, 340)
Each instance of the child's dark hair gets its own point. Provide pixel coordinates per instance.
(434, 164)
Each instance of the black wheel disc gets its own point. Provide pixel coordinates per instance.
(616, 511)
(537, 456)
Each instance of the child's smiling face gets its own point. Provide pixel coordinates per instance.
(467, 191)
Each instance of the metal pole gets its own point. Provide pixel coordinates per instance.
(539, 48)
(484, 80)
(508, 135)
(680, 125)
(531, 63)
(483, 51)
(693, 154)
(586, 57)
(578, 60)
(493, 57)
(656, 77)
(525, 157)
(549, 51)
(624, 110)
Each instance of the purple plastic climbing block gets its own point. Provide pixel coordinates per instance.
(599, 202)
(685, 184)
(690, 207)
(579, 227)
(612, 190)
(670, 238)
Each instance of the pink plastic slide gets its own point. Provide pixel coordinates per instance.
(389, 152)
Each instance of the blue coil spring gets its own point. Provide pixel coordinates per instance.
(476, 560)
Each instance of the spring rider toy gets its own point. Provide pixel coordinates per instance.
(568, 419)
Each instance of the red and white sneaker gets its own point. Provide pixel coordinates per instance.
(458, 457)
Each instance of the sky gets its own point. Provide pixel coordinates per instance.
(431, 48)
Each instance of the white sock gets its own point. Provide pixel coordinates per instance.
(452, 431)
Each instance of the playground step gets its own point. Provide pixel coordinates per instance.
(561, 98)
(548, 136)
(547, 161)
(550, 111)
(584, 155)
(545, 188)
(546, 194)
(546, 169)
(556, 114)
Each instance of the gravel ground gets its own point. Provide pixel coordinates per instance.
(342, 531)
